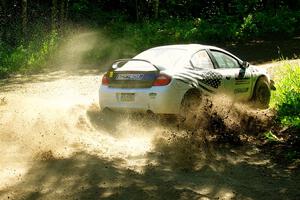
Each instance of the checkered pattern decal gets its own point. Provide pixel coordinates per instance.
(204, 80)
(212, 79)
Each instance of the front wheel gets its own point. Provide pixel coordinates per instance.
(262, 93)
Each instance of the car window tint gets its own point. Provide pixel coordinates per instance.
(202, 60)
(224, 60)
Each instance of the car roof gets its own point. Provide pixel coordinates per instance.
(191, 48)
(188, 47)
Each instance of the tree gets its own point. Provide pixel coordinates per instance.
(67, 10)
(156, 8)
(54, 15)
(137, 10)
(62, 12)
(24, 18)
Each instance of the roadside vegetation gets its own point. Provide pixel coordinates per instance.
(31, 31)
(286, 98)
(30, 56)
(283, 139)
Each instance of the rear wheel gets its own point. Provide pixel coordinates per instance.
(262, 93)
(189, 106)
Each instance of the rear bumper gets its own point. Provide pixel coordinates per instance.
(159, 99)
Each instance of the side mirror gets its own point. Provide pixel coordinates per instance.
(245, 64)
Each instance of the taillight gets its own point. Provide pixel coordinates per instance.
(162, 80)
(105, 80)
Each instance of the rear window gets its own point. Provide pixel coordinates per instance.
(165, 57)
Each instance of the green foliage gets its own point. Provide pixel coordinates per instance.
(271, 137)
(170, 31)
(286, 99)
(269, 25)
(218, 29)
(129, 27)
(29, 58)
(283, 23)
(248, 28)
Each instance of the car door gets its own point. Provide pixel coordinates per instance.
(236, 79)
(208, 80)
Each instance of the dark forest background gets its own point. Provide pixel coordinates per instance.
(31, 30)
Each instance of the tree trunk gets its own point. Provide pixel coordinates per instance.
(2, 15)
(2, 5)
(24, 18)
(66, 10)
(156, 8)
(54, 15)
(275, 6)
(137, 10)
(62, 12)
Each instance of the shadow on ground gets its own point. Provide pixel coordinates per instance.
(176, 169)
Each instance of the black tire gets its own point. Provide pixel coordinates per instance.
(262, 93)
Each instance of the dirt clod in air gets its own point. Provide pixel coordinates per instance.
(3, 101)
(45, 156)
(230, 122)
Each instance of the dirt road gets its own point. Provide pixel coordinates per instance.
(56, 145)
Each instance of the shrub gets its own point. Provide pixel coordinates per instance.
(26, 57)
(248, 28)
(286, 99)
(283, 23)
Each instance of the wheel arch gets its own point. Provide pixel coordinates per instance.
(191, 91)
(262, 76)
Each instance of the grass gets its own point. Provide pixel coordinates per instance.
(271, 137)
(286, 98)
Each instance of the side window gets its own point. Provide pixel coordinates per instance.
(202, 60)
(224, 60)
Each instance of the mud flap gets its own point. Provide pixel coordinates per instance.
(272, 85)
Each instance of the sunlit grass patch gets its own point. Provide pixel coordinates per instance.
(271, 137)
(286, 98)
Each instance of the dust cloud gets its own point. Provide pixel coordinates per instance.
(55, 139)
(49, 119)
(84, 48)
(45, 117)
(71, 52)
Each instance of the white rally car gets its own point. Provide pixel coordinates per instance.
(165, 79)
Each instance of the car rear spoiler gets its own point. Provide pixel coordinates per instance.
(116, 63)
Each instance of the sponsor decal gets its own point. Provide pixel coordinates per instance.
(123, 77)
(241, 82)
(240, 79)
(241, 90)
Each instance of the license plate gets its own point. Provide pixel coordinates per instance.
(124, 77)
(126, 97)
